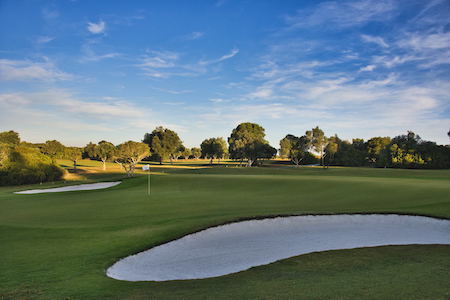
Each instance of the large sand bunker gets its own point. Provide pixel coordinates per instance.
(80, 187)
(238, 246)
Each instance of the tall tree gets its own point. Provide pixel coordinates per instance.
(54, 149)
(89, 151)
(196, 152)
(375, 146)
(74, 154)
(9, 137)
(129, 154)
(164, 143)
(247, 142)
(318, 141)
(186, 153)
(214, 148)
(180, 152)
(104, 151)
(294, 148)
(332, 148)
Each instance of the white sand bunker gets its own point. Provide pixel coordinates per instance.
(80, 187)
(238, 246)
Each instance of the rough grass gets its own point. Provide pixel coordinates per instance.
(57, 246)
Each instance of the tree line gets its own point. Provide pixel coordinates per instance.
(402, 151)
(23, 162)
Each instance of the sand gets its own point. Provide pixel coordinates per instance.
(80, 187)
(239, 246)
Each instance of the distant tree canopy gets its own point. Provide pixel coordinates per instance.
(403, 151)
(129, 154)
(214, 148)
(21, 163)
(164, 144)
(375, 147)
(104, 151)
(317, 142)
(53, 148)
(74, 154)
(186, 153)
(89, 151)
(296, 149)
(9, 137)
(247, 142)
(196, 152)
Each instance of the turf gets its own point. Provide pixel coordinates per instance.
(58, 246)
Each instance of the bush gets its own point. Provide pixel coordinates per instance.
(23, 164)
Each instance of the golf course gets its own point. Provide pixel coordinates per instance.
(59, 245)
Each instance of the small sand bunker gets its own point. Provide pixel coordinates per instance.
(239, 246)
(80, 187)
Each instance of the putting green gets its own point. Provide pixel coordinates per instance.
(56, 246)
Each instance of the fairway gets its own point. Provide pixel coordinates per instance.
(59, 245)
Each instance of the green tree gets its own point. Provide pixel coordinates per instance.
(89, 151)
(21, 164)
(129, 154)
(247, 142)
(196, 152)
(286, 145)
(331, 149)
(317, 141)
(54, 149)
(214, 148)
(104, 151)
(9, 137)
(5, 152)
(375, 146)
(186, 153)
(265, 151)
(74, 154)
(294, 148)
(180, 152)
(164, 143)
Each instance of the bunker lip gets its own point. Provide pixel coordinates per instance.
(71, 188)
(399, 229)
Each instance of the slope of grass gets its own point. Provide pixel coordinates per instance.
(58, 246)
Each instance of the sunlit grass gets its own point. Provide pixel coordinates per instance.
(57, 246)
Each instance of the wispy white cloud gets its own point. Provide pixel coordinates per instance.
(391, 61)
(368, 68)
(342, 14)
(64, 101)
(96, 28)
(172, 91)
(218, 100)
(25, 70)
(374, 39)
(423, 41)
(160, 59)
(194, 35)
(60, 114)
(89, 55)
(232, 53)
(44, 39)
(262, 93)
(165, 64)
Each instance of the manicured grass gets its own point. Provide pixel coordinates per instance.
(57, 246)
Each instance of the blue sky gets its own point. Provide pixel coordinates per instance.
(81, 71)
